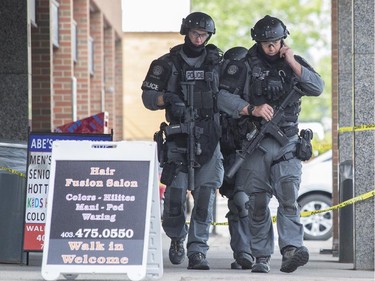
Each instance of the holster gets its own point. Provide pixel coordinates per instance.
(160, 138)
(169, 173)
(304, 146)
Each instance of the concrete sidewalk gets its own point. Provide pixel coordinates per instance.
(321, 267)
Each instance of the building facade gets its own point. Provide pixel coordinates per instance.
(75, 62)
(61, 61)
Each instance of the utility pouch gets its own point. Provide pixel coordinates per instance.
(304, 147)
(159, 138)
(169, 173)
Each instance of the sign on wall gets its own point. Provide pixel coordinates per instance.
(95, 124)
(103, 205)
(38, 176)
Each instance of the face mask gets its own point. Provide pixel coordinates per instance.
(191, 50)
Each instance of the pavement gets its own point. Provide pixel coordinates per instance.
(322, 266)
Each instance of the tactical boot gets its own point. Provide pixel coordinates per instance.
(261, 265)
(294, 257)
(177, 251)
(245, 260)
(198, 261)
(235, 265)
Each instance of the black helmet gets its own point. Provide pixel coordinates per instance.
(235, 53)
(197, 20)
(269, 29)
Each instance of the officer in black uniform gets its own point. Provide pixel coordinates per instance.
(238, 220)
(261, 81)
(197, 62)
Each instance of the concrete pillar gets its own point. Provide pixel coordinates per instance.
(356, 110)
(364, 141)
(14, 71)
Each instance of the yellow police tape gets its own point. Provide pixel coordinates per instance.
(358, 128)
(303, 214)
(12, 171)
(338, 206)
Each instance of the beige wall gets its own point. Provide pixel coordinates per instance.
(112, 12)
(140, 49)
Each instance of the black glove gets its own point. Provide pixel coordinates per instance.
(174, 104)
(275, 89)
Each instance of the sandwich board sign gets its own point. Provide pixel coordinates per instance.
(103, 215)
(38, 176)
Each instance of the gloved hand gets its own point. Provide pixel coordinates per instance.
(275, 89)
(174, 104)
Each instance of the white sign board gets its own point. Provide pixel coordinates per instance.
(103, 213)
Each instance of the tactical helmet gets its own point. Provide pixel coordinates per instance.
(197, 20)
(235, 53)
(269, 29)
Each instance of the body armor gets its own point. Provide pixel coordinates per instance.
(270, 83)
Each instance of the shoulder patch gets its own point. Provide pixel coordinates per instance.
(234, 76)
(157, 76)
(157, 69)
(232, 69)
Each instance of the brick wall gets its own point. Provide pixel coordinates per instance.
(109, 74)
(54, 69)
(119, 98)
(96, 81)
(41, 69)
(81, 67)
(62, 68)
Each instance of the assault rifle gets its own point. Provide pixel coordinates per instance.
(188, 127)
(254, 138)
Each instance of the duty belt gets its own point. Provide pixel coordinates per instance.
(290, 130)
(287, 156)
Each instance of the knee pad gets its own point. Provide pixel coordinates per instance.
(288, 197)
(203, 203)
(232, 215)
(174, 200)
(241, 201)
(260, 206)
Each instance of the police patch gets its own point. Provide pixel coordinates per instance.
(192, 75)
(232, 69)
(157, 76)
(157, 70)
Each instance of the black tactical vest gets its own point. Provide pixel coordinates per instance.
(204, 97)
(263, 76)
(205, 86)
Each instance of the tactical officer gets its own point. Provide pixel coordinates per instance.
(260, 83)
(238, 220)
(165, 87)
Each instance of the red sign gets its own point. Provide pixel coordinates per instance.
(96, 124)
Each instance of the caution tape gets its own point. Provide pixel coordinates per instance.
(12, 171)
(341, 205)
(359, 128)
(338, 206)
(322, 147)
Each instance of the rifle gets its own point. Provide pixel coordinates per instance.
(188, 127)
(254, 138)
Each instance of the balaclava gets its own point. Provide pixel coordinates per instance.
(191, 50)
